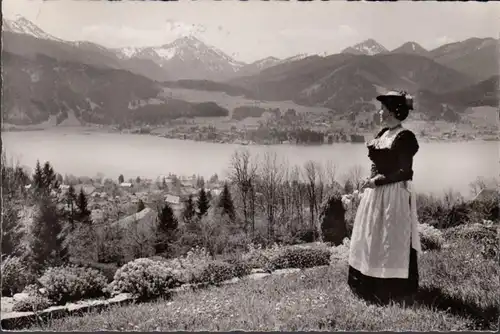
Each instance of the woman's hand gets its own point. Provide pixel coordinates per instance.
(370, 183)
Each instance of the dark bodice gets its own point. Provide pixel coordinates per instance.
(393, 163)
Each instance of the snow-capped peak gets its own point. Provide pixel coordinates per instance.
(21, 25)
(369, 47)
(267, 61)
(185, 57)
(296, 57)
(411, 48)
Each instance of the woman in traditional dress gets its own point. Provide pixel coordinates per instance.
(385, 240)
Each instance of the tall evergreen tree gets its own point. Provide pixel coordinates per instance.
(84, 213)
(38, 179)
(11, 233)
(49, 176)
(167, 228)
(71, 202)
(189, 210)
(121, 179)
(46, 246)
(226, 202)
(203, 203)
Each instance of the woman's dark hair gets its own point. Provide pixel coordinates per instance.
(398, 103)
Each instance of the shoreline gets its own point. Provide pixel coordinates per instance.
(110, 130)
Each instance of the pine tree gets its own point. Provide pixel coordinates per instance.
(46, 245)
(38, 181)
(83, 214)
(203, 203)
(11, 233)
(121, 179)
(226, 202)
(140, 206)
(49, 177)
(167, 228)
(71, 200)
(189, 210)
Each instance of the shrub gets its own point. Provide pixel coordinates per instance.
(444, 212)
(71, 283)
(145, 279)
(481, 237)
(108, 270)
(258, 257)
(35, 302)
(430, 237)
(15, 275)
(299, 258)
(485, 209)
(240, 267)
(189, 265)
(332, 218)
(215, 272)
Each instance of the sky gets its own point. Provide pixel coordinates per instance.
(255, 29)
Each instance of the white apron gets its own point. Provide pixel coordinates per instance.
(385, 221)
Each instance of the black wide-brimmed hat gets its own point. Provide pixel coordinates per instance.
(397, 98)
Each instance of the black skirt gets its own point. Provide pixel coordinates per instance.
(382, 290)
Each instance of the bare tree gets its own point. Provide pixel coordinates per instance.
(310, 177)
(482, 183)
(355, 177)
(271, 175)
(330, 174)
(140, 237)
(285, 210)
(314, 176)
(243, 173)
(297, 196)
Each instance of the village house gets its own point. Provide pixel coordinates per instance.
(172, 199)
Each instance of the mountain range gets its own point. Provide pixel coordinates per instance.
(46, 76)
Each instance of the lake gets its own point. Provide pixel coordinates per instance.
(437, 166)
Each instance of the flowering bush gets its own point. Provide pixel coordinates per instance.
(340, 253)
(240, 267)
(71, 283)
(430, 237)
(298, 257)
(215, 272)
(191, 264)
(15, 275)
(145, 278)
(486, 238)
(258, 257)
(35, 301)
